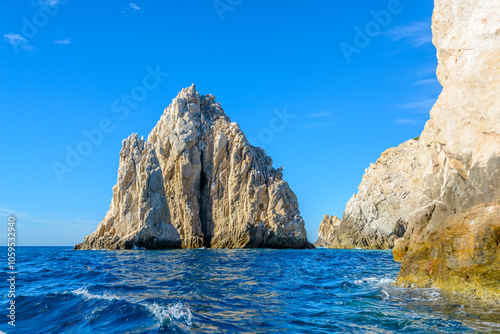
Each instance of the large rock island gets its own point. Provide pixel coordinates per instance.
(197, 182)
(436, 199)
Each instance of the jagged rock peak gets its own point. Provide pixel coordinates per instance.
(196, 181)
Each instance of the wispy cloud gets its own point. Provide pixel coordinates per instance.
(415, 33)
(426, 82)
(18, 41)
(323, 114)
(63, 41)
(132, 7)
(10, 211)
(317, 125)
(42, 221)
(423, 105)
(50, 3)
(426, 71)
(404, 121)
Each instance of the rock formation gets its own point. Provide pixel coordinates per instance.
(460, 222)
(327, 230)
(390, 190)
(461, 255)
(196, 181)
(437, 192)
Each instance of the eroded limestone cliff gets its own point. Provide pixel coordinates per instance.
(425, 191)
(196, 181)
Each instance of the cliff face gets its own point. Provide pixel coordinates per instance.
(422, 187)
(457, 231)
(327, 230)
(455, 163)
(390, 190)
(196, 181)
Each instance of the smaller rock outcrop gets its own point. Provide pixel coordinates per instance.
(390, 191)
(327, 229)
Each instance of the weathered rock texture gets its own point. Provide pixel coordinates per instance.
(390, 190)
(462, 139)
(196, 181)
(461, 256)
(421, 187)
(327, 230)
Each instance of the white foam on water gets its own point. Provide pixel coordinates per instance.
(177, 311)
(86, 294)
(374, 280)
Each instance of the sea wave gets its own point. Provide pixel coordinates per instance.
(87, 295)
(177, 311)
(374, 281)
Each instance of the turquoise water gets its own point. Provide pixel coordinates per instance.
(228, 291)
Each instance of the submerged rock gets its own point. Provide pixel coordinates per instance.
(197, 182)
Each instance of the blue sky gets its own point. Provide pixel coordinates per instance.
(66, 65)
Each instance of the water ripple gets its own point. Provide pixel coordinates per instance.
(229, 291)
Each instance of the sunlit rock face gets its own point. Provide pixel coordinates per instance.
(327, 230)
(458, 230)
(414, 195)
(461, 255)
(390, 191)
(454, 164)
(197, 182)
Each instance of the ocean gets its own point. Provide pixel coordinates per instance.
(59, 290)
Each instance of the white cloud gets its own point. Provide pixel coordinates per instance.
(63, 41)
(317, 125)
(424, 104)
(15, 39)
(404, 121)
(18, 41)
(10, 211)
(132, 7)
(50, 3)
(42, 221)
(416, 33)
(425, 82)
(323, 114)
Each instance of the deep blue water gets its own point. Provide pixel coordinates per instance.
(227, 291)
